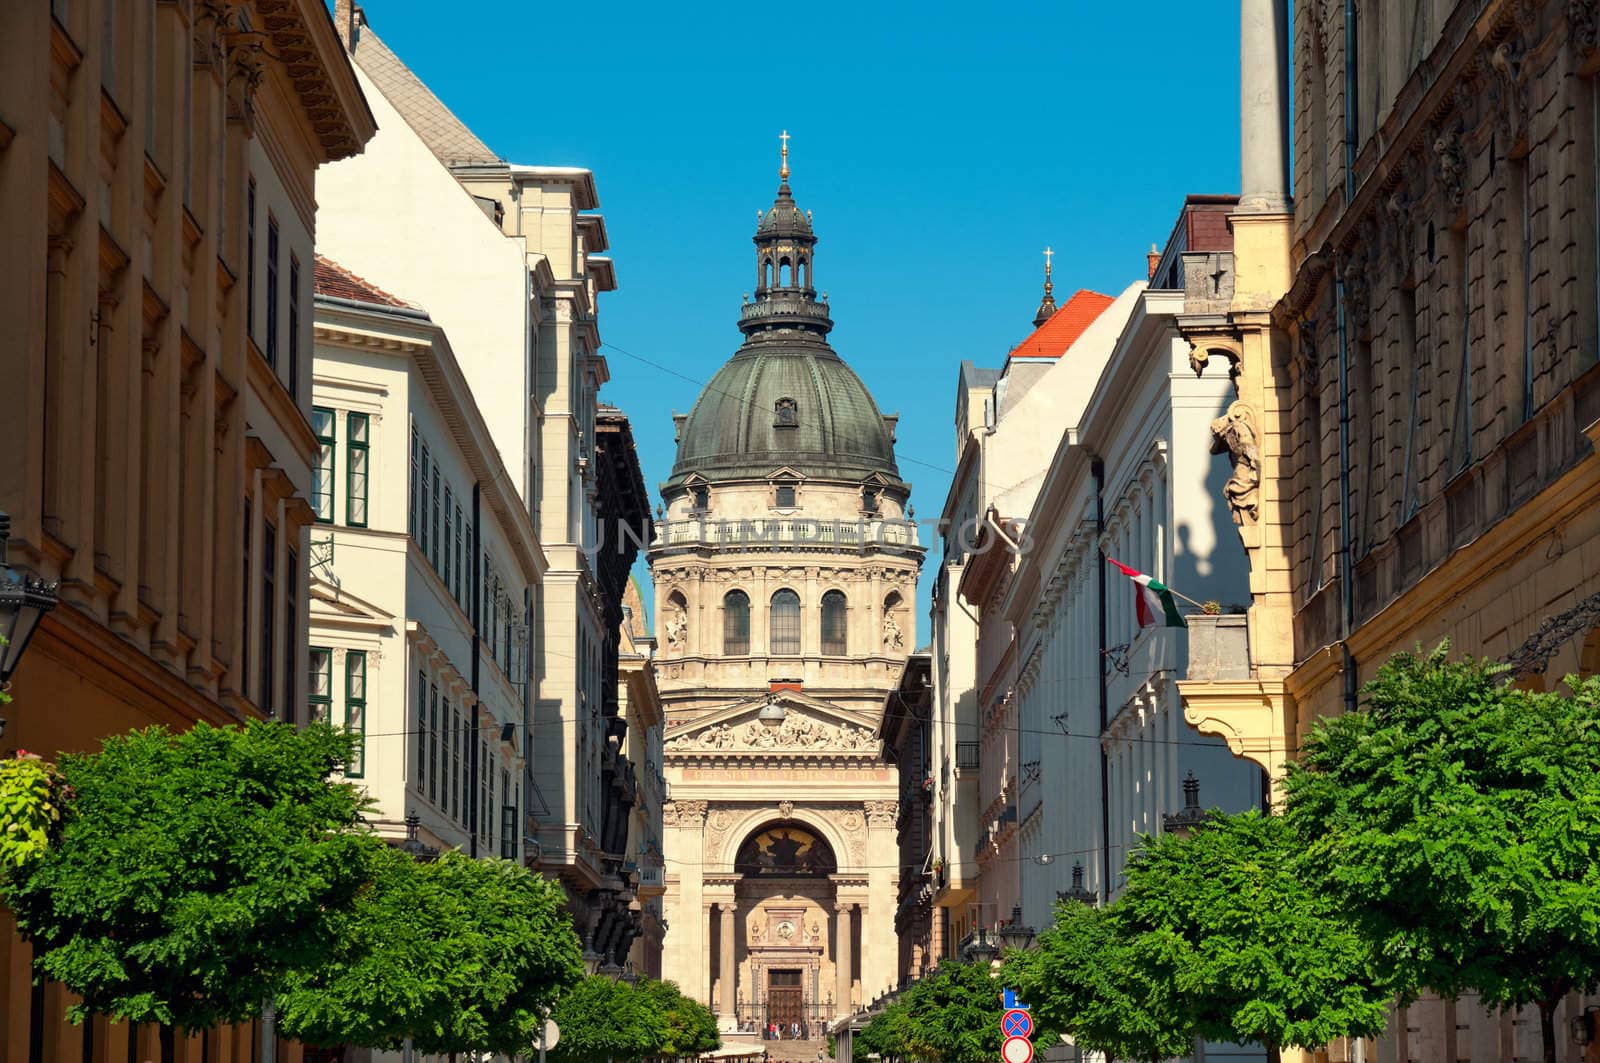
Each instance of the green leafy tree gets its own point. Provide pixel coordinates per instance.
(33, 800)
(457, 954)
(1232, 920)
(691, 1028)
(193, 871)
(1458, 819)
(952, 1016)
(884, 1035)
(603, 1019)
(1086, 979)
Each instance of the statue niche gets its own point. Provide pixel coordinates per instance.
(782, 850)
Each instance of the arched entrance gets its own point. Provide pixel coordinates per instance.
(786, 953)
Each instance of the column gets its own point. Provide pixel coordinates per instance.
(1263, 107)
(842, 959)
(729, 971)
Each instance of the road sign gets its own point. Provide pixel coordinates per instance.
(1017, 1050)
(1008, 997)
(552, 1034)
(1016, 1023)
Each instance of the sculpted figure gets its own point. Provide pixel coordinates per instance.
(893, 638)
(1234, 433)
(677, 626)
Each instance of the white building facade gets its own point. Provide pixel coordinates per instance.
(423, 561)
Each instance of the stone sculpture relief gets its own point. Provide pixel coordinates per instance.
(893, 637)
(796, 732)
(676, 626)
(1235, 434)
(882, 813)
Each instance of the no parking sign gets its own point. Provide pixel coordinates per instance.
(1015, 1026)
(1016, 1023)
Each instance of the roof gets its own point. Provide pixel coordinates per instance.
(334, 280)
(445, 135)
(1051, 339)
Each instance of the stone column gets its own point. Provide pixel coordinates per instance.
(1263, 107)
(729, 971)
(841, 958)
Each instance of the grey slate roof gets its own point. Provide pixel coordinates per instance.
(445, 134)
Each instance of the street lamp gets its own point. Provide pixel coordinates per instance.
(980, 949)
(24, 599)
(1077, 892)
(413, 846)
(630, 975)
(1014, 935)
(1191, 815)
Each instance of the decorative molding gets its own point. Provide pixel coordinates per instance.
(797, 732)
(683, 813)
(882, 813)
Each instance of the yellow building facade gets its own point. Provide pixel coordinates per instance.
(157, 162)
(1418, 391)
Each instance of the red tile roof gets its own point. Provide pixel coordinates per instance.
(1051, 339)
(333, 279)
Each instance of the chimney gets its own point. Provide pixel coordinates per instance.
(1152, 260)
(347, 20)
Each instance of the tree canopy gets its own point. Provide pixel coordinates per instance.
(457, 954)
(1457, 819)
(1085, 978)
(193, 870)
(951, 1016)
(603, 1019)
(1231, 920)
(691, 1028)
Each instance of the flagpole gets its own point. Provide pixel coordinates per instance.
(1174, 593)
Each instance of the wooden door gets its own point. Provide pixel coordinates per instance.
(785, 1001)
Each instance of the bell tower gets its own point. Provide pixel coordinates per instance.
(786, 292)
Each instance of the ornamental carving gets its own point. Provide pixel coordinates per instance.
(882, 813)
(1510, 91)
(1452, 165)
(676, 626)
(1235, 434)
(683, 813)
(795, 733)
(850, 821)
(1582, 17)
(893, 637)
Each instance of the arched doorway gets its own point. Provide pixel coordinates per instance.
(786, 958)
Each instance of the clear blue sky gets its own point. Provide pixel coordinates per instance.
(940, 145)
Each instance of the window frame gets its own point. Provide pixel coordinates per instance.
(272, 291)
(735, 643)
(327, 454)
(314, 699)
(794, 637)
(353, 448)
(837, 643)
(355, 706)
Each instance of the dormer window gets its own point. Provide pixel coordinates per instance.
(700, 498)
(786, 414)
(784, 496)
(869, 500)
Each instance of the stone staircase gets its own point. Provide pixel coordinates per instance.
(796, 1051)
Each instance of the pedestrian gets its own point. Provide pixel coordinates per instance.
(794, 1029)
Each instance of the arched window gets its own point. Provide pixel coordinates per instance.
(785, 622)
(834, 625)
(735, 624)
(766, 274)
(785, 273)
(802, 273)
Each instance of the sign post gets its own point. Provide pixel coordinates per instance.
(1015, 1026)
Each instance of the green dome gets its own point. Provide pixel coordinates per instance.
(734, 430)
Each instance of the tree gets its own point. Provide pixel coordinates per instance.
(457, 954)
(885, 1035)
(33, 801)
(1085, 978)
(1458, 821)
(1231, 919)
(606, 1020)
(193, 871)
(952, 1016)
(691, 1028)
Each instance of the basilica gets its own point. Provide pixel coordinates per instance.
(785, 574)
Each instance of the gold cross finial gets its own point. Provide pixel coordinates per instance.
(783, 171)
(1048, 254)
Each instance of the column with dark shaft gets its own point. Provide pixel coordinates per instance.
(1263, 107)
(729, 972)
(842, 959)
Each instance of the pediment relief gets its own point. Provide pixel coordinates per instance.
(802, 730)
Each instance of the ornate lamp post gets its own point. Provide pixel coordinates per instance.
(981, 948)
(413, 846)
(24, 599)
(1014, 935)
(1191, 815)
(1077, 892)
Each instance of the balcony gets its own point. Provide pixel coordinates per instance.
(758, 532)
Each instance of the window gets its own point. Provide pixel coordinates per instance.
(294, 327)
(422, 504)
(323, 424)
(319, 684)
(869, 500)
(484, 774)
(272, 291)
(357, 425)
(249, 255)
(486, 822)
(460, 559)
(784, 496)
(508, 820)
(422, 733)
(786, 622)
(411, 502)
(355, 710)
(454, 809)
(433, 743)
(834, 628)
(269, 580)
(702, 498)
(291, 629)
(433, 521)
(735, 624)
(449, 537)
(244, 608)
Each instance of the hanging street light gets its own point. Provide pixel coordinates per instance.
(24, 599)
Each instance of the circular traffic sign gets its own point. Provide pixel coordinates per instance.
(1017, 1050)
(1016, 1023)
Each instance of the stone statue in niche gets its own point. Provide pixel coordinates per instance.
(893, 637)
(677, 626)
(1234, 433)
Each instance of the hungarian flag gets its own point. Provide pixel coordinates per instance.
(1151, 600)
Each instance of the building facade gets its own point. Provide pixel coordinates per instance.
(639, 700)
(1424, 463)
(421, 560)
(907, 734)
(514, 270)
(784, 573)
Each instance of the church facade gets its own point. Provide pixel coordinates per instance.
(785, 574)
